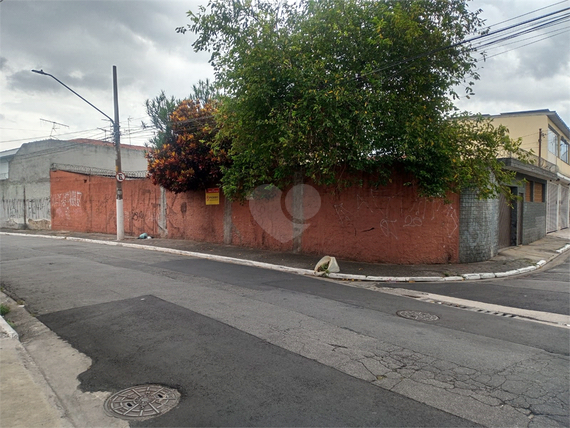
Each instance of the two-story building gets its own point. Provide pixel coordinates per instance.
(544, 184)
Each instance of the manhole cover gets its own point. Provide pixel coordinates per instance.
(138, 402)
(419, 316)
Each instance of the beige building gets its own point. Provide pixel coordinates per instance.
(545, 135)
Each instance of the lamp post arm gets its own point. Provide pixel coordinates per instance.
(63, 84)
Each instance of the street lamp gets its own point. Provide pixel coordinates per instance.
(117, 140)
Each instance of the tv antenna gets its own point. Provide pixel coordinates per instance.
(54, 126)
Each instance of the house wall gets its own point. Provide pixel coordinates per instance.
(534, 193)
(25, 194)
(390, 224)
(478, 228)
(527, 128)
(526, 125)
(534, 222)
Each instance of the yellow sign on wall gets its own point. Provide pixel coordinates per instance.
(213, 196)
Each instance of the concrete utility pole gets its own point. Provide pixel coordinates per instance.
(118, 169)
(117, 139)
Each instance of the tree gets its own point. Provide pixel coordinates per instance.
(329, 88)
(159, 110)
(185, 161)
(161, 107)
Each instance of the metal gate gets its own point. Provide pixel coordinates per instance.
(563, 208)
(552, 208)
(504, 222)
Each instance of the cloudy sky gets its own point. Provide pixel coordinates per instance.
(79, 41)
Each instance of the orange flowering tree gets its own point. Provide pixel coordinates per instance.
(186, 160)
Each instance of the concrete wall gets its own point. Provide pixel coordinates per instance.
(391, 224)
(534, 222)
(25, 205)
(478, 228)
(25, 195)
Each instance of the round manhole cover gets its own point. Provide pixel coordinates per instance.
(141, 402)
(418, 316)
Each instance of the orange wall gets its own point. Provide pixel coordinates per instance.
(390, 224)
(87, 203)
(190, 218)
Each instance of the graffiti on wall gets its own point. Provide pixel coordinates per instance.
(36, 210)
(12, 208)
(64, 204)
(393, 214)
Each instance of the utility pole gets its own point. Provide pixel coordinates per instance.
(539, 146)
(118, 169)
(117, 139)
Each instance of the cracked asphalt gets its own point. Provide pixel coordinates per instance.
(253, 347)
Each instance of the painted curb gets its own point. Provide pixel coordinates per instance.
(300, 271)
(487, 275)
(6, 329)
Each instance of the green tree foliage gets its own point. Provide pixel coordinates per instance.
(333, 87)
(159, 109)
(185, 161)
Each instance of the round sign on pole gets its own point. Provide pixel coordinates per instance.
(121, 176)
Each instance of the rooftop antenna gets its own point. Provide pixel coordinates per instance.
(129, 126)
(105, 131)
(54, 125)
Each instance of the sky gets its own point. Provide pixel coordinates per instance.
(79, 42)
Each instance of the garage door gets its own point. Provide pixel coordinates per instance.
(552, 208)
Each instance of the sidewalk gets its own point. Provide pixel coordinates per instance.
(28, 401)
(509, 261)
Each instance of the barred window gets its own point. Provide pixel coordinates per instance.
(552, 141)
(564, 150)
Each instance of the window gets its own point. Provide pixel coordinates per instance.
(534, 192)
(564, 150)
(552, 141)
(538, 192)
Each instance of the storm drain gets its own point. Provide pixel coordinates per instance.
(142, 402)
(418, 316)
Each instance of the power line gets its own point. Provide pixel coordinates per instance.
(557, 31)
(528, 13)
(527, 44)
(518, 33)
(470, 40)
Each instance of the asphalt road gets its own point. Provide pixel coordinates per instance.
(226, 377)
(546, 290)
(251, 347)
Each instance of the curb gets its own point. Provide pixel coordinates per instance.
(308, 272)
(7, 330)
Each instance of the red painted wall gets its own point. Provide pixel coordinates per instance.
(391, 224)
(87, 203)
(188, 217)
